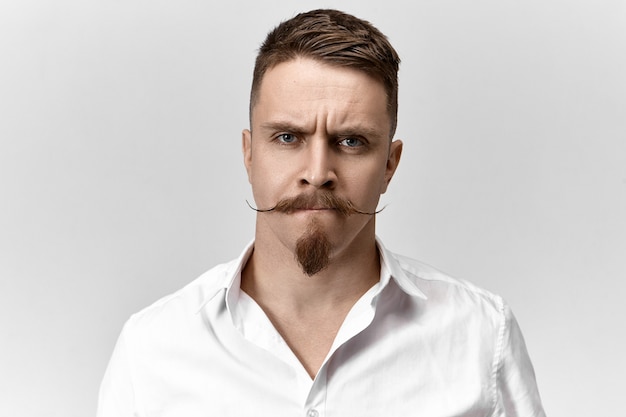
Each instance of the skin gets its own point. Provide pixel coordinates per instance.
(316, 127)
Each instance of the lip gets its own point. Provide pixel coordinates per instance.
(318, 208)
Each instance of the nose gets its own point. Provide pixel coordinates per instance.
(319, 169)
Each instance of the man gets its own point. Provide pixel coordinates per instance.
(316, 318)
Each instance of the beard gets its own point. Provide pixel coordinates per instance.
(313, 250)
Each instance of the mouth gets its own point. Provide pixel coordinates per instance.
(313, 209)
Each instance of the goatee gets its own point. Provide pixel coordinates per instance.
(313, 250)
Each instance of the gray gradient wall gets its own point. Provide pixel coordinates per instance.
(121, 176)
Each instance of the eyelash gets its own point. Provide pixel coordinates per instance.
(278, 138)
(280, 135)
(362, 143)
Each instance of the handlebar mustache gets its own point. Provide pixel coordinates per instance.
(319, 201)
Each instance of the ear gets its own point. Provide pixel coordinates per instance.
(395, 151)
(246, 148)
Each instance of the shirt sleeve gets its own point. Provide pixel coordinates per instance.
(117, 396)
(517, 391)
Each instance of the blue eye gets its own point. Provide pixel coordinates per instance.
(351, 142)
(286, 138)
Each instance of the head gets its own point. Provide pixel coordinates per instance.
(320, 149)
(337, 39)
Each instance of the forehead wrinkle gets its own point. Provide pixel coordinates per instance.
(312, 102)
(352, 123)
(330, 123)
(341, 130)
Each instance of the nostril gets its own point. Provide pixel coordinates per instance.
(328, 184)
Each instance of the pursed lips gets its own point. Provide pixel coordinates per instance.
(315, 208)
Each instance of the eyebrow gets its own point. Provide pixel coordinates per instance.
(282, 126)
(366, 131)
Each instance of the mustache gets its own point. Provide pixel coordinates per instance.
(320, 201)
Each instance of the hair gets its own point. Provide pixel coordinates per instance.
(335, 38)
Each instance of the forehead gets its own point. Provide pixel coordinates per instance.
(307, 90)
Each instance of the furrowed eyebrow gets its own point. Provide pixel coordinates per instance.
(360, 131)
(364, 131)
(282, 127)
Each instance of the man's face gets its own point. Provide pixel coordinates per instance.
(319, 129)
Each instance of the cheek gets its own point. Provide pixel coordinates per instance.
(366, 184)
(268, 182)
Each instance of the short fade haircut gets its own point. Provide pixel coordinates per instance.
(335, 38)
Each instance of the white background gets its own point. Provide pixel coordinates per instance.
(121, 177)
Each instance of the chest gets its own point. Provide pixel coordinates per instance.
(310, 340)
(371, 374)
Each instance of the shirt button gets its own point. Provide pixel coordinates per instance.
(312, 413)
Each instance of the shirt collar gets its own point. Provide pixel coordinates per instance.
(403, 273)
(224, 276)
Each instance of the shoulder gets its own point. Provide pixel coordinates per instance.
(444, 292)
(173, 312)
(427, 275)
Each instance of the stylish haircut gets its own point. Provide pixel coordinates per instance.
(334, 38)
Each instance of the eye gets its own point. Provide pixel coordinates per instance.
(286, 138)
(351, 142)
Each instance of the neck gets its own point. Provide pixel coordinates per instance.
(309, 310)
(273, 277)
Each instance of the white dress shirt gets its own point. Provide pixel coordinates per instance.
(418, 343)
